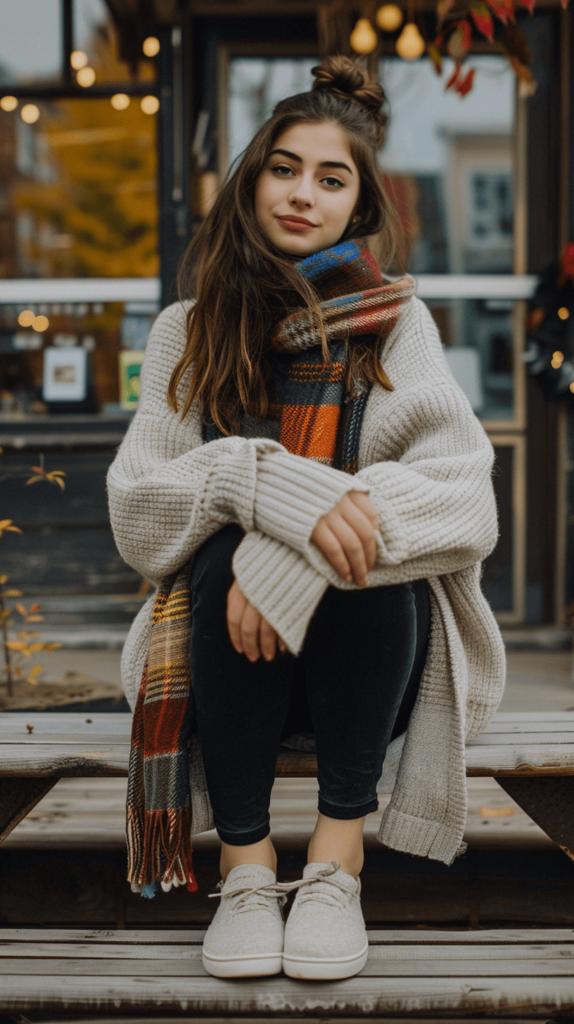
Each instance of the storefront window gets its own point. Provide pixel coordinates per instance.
(79, 191)
(448, 165)
(96, 36)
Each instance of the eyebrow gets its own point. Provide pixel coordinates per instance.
(324, 163)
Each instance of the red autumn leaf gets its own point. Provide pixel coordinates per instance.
(461, 40)
(464, 85)
(453, 78)
(443, 9)
(435, 57)
(37, 469)
(35, 607)
(504, 9)
(483, 18)
(529, 4)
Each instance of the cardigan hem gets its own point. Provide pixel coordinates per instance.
(419, 836)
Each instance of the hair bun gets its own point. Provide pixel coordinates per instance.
(348, 81)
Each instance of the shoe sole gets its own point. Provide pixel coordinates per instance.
(316, 969)
(243, 966)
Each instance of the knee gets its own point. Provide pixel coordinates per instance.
(211, 565)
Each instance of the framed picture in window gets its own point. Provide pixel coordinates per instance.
(65, 377)
(130, 365)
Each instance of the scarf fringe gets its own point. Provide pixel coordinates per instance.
(159, 848)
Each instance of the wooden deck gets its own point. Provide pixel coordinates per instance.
(507, 974)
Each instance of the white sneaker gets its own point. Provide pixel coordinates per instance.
(325, 934)
(245, 938)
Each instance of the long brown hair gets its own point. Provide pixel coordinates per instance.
(244, 286)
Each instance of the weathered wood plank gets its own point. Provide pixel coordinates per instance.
(439, 959)
(355, 997)
(376, 967)
(422, 938)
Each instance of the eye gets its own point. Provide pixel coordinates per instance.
(283, 170)
(332, 182)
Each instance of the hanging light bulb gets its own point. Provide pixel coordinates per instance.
(410, 45)
(363, 38)
(389, 17)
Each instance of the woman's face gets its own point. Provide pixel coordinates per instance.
(308, 190)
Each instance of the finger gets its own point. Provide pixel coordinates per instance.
(352, 546)
(267, 640)
(362, 526)
(282, 645)
(236, 604)
(250, 624)
(362, 501)
(329, 545)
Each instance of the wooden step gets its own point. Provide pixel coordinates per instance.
(418, 973)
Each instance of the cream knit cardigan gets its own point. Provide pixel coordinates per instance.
(426, 463)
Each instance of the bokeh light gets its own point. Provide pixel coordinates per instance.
(78, 59)
(26, 318)
(150, 104)
(363, 38)
(8, 103)
(40, 323)
(86, 77)
(410, 45)
(30, 113)
(150, 46)
(563, 313)
(120, 101)
(389, 17)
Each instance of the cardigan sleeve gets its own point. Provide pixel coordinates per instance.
(168, 491)
(436, 508)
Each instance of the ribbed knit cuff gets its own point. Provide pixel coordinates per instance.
(292, 494)
(280, 583)
(233, 485)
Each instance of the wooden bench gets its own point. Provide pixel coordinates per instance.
(417, 973)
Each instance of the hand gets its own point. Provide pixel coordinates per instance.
(249, 632)
(347, 537)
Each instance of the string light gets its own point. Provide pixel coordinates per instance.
(410, 45)
(563, 313)
(389, 17)
(572, 387)
(557, 360)
(30, 113)
(150, 46)
(120, 101)
(150, 104)
(363, 38)
(40, 323)
(78, 59)
(26, 318)
(8, 103)
(86, 77)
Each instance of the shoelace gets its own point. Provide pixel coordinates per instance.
(259, 895)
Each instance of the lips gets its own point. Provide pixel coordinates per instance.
(296, 223)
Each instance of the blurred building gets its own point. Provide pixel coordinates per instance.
(125, 118)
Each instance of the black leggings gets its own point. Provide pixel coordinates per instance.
(354, 685)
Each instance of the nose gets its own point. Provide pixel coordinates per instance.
(302, 194)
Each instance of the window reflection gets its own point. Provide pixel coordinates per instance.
(448, 165)
(478, 339)
(95, 35)
(30, 42)
(80, 191)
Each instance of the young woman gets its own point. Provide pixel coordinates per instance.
(310, 490)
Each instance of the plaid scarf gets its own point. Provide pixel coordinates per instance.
(309, 398)
(318, 420)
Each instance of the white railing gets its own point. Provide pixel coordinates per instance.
(147, 289)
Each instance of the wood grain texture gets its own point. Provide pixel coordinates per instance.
(356, 997)
(515, 743)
